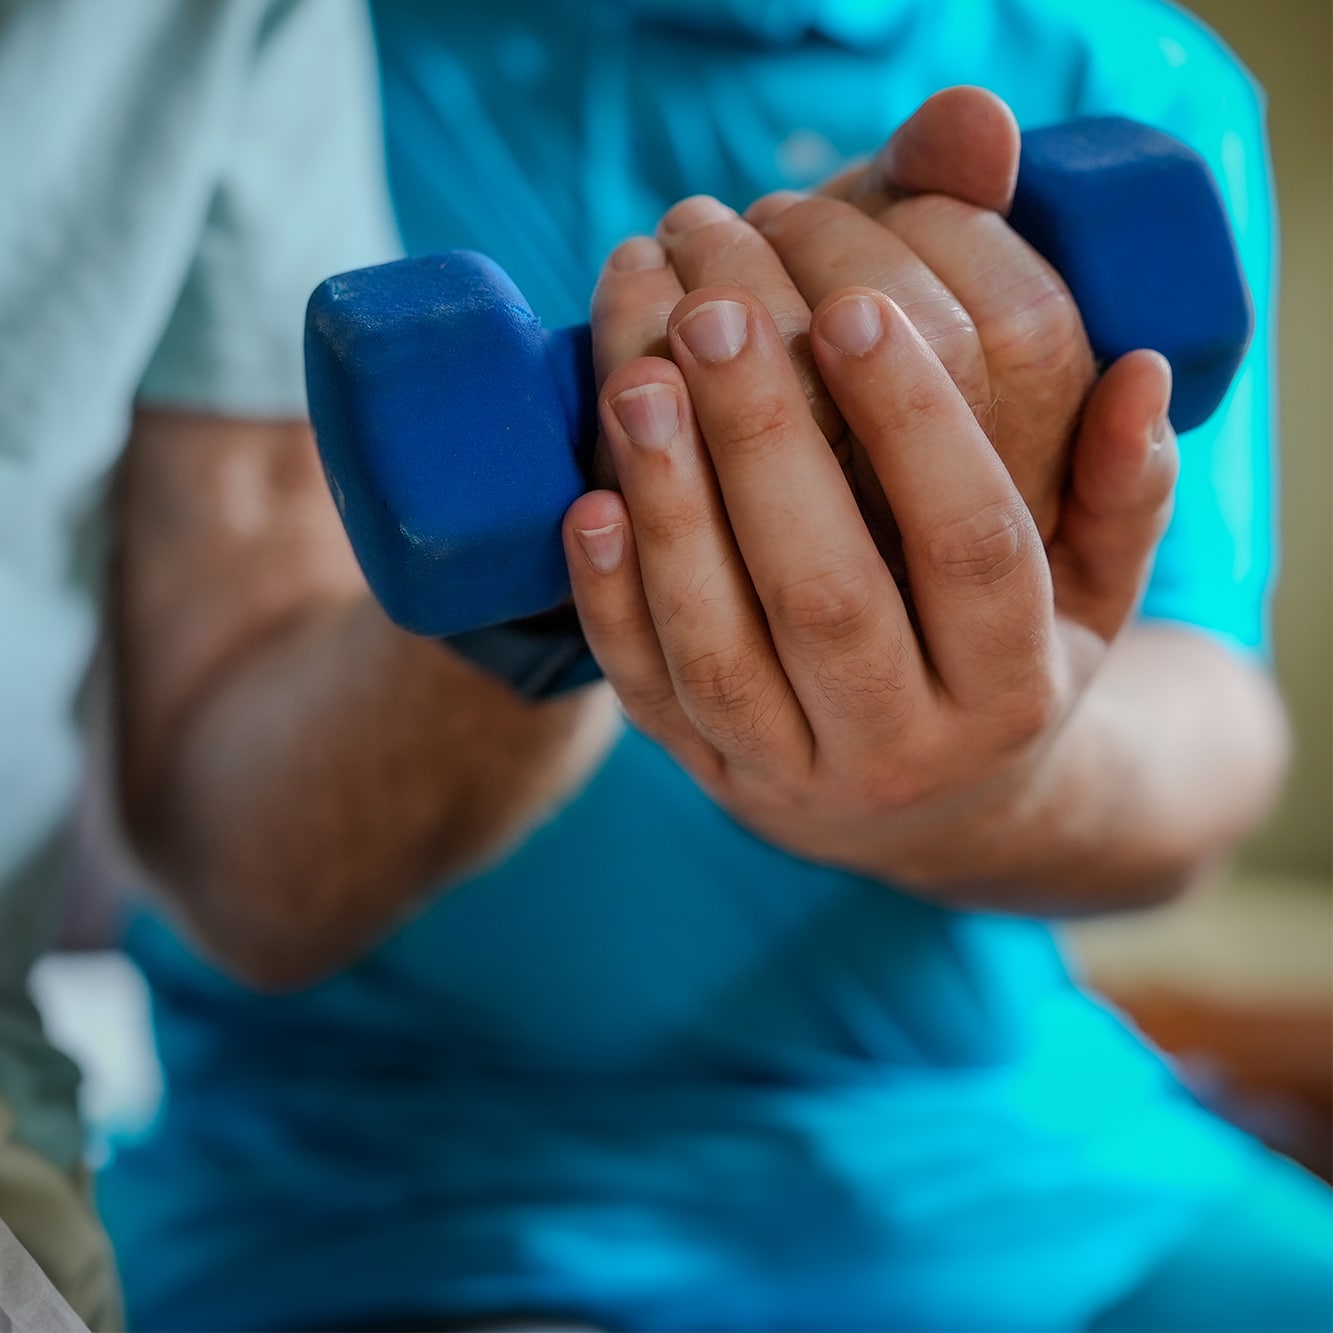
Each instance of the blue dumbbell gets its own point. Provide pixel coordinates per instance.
(455, 431)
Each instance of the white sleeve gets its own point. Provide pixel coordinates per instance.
(302, 195)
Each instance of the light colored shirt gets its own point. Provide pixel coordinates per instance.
(178, 175)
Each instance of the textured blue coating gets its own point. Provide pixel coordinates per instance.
(1132, 220)
(455, 433)
(444, 427)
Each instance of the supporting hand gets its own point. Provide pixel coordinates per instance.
(736, 601)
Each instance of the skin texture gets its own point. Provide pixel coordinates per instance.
(299, 773)
(925, 229)
(974, 720)
(967, 717)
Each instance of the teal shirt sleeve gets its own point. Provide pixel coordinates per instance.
(301, 194)
(1216, 565)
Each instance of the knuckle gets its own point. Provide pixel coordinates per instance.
(650, 704)
(913, 405)
(950, 331)
(1026, 715)
(723, 677)
(1028, 323)
(751, 430)
(875, 687)
(983, 547)
(659, 528)
(732, 698)
(605, 621)
(956, 342)
(946, 325)
(1037, 332)
(827, 606)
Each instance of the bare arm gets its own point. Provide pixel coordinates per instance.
(1187, 744)
(299, 773)
(1174, 752)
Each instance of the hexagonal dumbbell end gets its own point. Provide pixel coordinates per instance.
(450, 425)
(455, 433)
(1132, 220)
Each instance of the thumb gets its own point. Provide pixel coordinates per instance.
(1122, 478)
(962, 142)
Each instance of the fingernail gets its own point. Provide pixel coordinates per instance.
(603, 547)
(699, 210)
(853, 325)
(1161, 431)
(637, 254)
(1162, 427)
(649, 414)
(714, 331)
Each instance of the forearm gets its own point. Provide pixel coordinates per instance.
(326, 787)
(1175, 751)
(298, 773)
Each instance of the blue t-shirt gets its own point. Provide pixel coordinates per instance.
(650, 1071)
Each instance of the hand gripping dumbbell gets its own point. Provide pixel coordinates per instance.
(455, 431)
